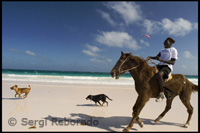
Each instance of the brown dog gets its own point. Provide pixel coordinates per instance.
(19, 91)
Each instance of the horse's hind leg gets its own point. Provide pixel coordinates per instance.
(167, 108)
(186, 102)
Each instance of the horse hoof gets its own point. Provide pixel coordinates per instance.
(186, 125)
(141, 124)
(126, 129)
(157, 121)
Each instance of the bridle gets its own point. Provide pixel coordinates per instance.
(126, 69)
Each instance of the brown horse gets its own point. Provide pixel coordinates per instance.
(147, 86)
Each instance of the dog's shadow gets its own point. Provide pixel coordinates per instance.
(88, 105)
(16, 98)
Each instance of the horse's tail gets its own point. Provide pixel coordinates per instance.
(194, 88)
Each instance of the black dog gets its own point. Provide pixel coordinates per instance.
(97, 98)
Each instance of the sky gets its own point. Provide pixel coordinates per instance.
(89, 36)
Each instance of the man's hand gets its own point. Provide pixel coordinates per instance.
(159, 59)
(148, 58)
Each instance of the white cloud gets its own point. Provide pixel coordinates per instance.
(107, 17)
(90, 53)
(30, 53)
(97, 60)
(14, 50)
(195, 26)
(93, 48)
(107, 60)
(152, 27)
(188, 55)
(145, 43)
(129, 11)
(117, 39)
(178, 27)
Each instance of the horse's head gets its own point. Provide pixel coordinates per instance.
(123, 65)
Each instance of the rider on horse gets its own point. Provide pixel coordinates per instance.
(167, 58)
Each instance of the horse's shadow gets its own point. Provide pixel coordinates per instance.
(108, 124)
(114, 123)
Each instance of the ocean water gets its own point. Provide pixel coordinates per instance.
(71, 77)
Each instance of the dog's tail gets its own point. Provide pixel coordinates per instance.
(29, 87)
(109, 98)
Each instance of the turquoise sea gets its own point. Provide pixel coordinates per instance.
(71, 77)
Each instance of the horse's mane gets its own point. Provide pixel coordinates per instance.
(146, 69)
(140, 59)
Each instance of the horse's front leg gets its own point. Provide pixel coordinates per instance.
(140, 102)
(141, 124)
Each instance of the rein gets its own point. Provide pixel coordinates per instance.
(152, 62)
(132, 67)
(126, 69)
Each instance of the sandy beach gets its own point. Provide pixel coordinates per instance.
(63, 107)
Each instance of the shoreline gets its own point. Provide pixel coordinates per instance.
(74, 71)
(56, 104)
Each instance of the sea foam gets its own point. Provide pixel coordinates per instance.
(73, 79)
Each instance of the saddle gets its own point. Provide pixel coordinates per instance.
(169, 78)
